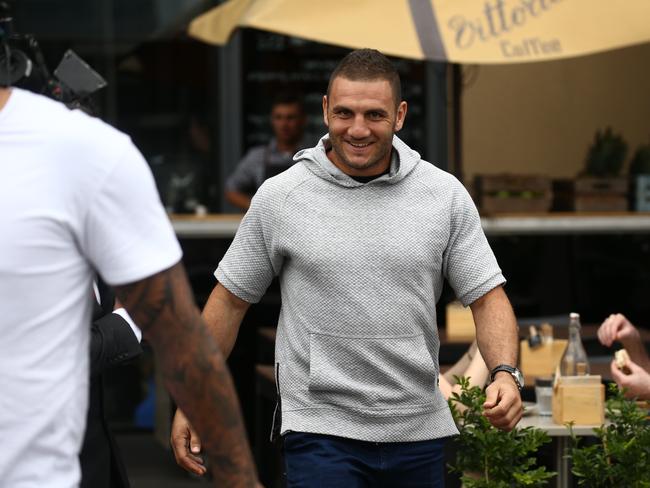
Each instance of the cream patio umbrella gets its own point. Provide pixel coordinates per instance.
(457, 31)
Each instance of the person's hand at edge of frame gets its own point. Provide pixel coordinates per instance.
(503, 407)
(617, 327)
(636, 384)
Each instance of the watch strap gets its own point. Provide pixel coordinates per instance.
(514, 372)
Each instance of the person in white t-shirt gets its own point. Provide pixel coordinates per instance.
(76, 196)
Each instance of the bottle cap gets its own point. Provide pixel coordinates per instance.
(574, 319)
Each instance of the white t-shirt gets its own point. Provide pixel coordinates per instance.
(75, 194)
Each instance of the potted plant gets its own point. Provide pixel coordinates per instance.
(599, 187)
(621, 457)
(488, 457)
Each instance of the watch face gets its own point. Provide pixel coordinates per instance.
(519, 377)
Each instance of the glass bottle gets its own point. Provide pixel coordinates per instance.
(574, 360)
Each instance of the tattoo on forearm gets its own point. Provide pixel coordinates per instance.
(193, 369)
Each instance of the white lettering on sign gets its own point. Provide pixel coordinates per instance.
(498, 17)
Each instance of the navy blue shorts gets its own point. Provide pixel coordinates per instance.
(324, 461)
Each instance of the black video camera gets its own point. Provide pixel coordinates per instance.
(22, 64)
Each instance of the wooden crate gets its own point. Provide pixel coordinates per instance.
(601, 194)
(579, 399)
(459, 323)
(542, 360)
(505, 193)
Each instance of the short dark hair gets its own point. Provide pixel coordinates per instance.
(367, 65)
(287, 98)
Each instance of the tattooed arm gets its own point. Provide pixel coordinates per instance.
(223, 313)
(193, 369)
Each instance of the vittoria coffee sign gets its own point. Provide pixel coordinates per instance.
(461, 31)
(500, 20)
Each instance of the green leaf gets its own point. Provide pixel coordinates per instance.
(621, 457)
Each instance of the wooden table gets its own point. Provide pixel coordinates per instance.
(560, 436)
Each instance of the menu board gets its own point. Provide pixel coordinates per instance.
(273, 63)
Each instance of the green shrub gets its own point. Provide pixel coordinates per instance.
(488, 457)
(621, 458)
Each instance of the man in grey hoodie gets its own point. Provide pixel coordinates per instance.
(361, 233)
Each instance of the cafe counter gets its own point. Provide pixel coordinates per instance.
(222, 226)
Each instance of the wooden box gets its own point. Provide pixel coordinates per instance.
(459, 323)
(506, 193)
(542, 360)
(601, 194)
(579, 399)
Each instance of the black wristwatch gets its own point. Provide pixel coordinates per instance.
(516, 374)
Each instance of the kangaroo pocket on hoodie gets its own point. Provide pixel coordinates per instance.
(377, 373)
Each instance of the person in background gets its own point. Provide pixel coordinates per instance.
(362, 233)
(470, 365)
(617, 328)
(77, 198)
(114, 341)
(262, 162)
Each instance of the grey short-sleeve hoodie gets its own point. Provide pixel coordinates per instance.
(361, 267)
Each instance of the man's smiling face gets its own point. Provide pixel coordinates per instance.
(362, 117)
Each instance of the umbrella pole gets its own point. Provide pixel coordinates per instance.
(454, 111)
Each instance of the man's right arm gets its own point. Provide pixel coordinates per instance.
(239, 199)
(223, 313)
(243, 182)
(194, 369)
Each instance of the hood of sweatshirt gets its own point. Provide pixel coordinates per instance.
(403, 161)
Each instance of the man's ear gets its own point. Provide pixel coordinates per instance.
(325, 110)
(401, 115)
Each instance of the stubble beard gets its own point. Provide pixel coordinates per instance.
(383, 150)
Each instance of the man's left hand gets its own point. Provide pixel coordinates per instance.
(503, 406)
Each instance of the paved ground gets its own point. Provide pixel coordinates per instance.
(149, 465)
